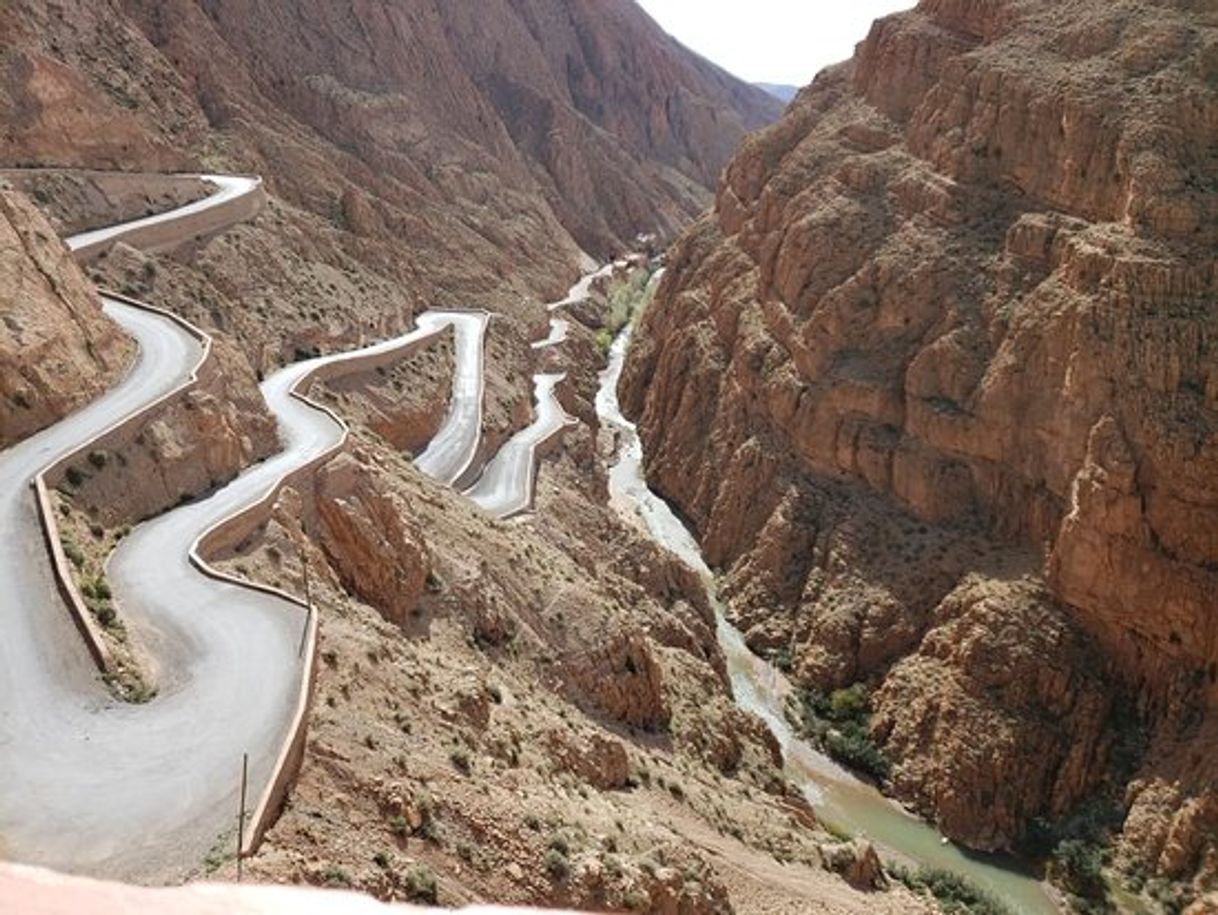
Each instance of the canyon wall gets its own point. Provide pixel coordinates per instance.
(57, 349)
(472, 148)
(937, 385)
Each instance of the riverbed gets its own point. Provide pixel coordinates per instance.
(839, 799)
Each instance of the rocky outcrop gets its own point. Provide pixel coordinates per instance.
(197, 441)
(598, 760)
(858, 863)
(1002, 707)
(57, 349)
(368, 539)
(959, 300)
(622, 678)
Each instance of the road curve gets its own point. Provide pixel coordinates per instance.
(228, 189)
(142, 791)
(560, 328)
(506, 485)
(91, 784)
(452, 451)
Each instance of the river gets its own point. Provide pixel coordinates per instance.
(840, 799)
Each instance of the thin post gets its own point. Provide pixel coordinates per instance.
(304, 561)
(245, 766)
(304, 634)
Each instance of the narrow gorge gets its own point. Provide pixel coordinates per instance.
(484, 453)
(935, 386)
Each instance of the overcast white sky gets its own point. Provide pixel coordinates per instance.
(773, 41)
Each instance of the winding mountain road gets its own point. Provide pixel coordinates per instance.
(506, 485)
(454, 448)
(96, 786)
(143, 791)
(90, 784)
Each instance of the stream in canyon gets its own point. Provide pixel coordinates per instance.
(839, 799)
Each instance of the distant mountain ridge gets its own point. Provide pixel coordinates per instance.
(779, 90)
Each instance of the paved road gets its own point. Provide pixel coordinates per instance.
(560, 328)
(91, 785)
(228, 187)
(506, 485)
(452, 451)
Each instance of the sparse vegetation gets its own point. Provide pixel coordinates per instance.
(838, 722)
(421, 884)
(557, 864)
(625, 301)
(336, 876)
(1077, 849)
(955, 895)
(74, 553)
(459, 757)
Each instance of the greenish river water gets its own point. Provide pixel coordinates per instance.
(839, 798)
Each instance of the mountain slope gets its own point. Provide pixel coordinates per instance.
(493, 117)
(936, 385)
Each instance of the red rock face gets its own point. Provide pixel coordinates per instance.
(57, 350)
(452, 124)
(965, 286)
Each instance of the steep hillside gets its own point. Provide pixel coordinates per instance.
(936, 384)
(416, 155)
(452, 131)
(56, 348)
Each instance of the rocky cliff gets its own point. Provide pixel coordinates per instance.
(936, 385)
(57, 350)
(491, 133)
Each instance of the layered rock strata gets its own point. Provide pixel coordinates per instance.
(958, 306)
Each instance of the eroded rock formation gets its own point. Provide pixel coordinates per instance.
(961, 299)
(57, 349)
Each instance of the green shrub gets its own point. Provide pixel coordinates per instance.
(421, 883)
(98, 459)
(336, 876)
(851, 704)
(557, 865)
(839, 722)
(853, 747)
(1078, 866)
(74, 553)
(603, 341)
(955, 894)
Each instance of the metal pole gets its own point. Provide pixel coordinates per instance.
(304, 561)
(304, 635)
(245, 765)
